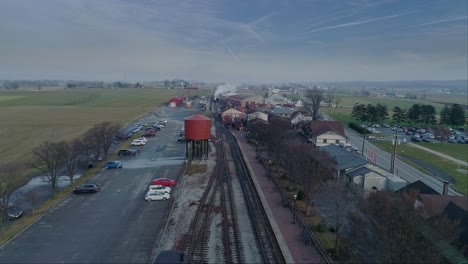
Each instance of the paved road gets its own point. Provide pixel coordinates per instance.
(115, 225)
(402, 169)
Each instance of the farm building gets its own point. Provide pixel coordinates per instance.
(282, 111)
(367, 177)
(176, 101)
(344, 160)
(257, 115)
(323, 133)
(231, 114)
(237, 100)
(298, 118)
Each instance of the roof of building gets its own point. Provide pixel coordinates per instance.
(197, 117)
(358, 172)
(435, 204)
(420, 186)
(238, 96)
(318, 128)
(232, 111)
(296, 114)
(282, 111)
(344, 159)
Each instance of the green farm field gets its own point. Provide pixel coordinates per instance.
(30, 118)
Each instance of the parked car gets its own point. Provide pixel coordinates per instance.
(427, 139)
(113, 165)
(138, 142)
(127, 152)
(87, 188)
(416, 138)
(14, 212)
(164, 182)
(150, 133)
(155, 196)
(180, 139)
(143, 138)
(386, 125)
(154, 188)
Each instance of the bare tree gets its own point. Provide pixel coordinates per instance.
(33, 197)
(110, 130)
(442, 133)
(343, 200)
(337, 101)
(48, 158)
(315, 96)
(313, 167)
(101, 136)
(388, 228)
(70, 152)
(277, 137)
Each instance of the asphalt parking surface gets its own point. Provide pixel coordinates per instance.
(115, 225)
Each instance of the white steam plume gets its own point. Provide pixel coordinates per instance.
(225, 88)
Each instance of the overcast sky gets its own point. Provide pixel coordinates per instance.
(234, 41)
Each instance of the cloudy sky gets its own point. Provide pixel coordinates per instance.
(235, 40)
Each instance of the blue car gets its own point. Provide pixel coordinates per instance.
(113, 165)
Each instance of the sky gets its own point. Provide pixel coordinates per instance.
(235, 40)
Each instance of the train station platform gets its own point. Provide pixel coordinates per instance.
(288, 234)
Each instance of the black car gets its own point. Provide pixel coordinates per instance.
(14, 212)
(87, 188)
(127, 152)
(180, 139)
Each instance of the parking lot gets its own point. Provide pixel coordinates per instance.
(115, 224)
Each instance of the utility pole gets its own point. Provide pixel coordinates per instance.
(363, 141)
(392, 168)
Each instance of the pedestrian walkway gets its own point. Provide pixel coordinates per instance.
(282, 217)
(442, 155)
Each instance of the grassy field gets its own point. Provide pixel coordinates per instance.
(459, 151)
(446, 166)
(32, 117)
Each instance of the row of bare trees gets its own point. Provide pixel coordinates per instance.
(55, 158)
(385, 225)
(306, 167)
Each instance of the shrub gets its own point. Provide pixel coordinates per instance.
(358, 128)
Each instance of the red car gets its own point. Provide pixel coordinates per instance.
(164, 182)
(150, 133)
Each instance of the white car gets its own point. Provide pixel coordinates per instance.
(138, 142)
(142, 138)
(157, 196)
(156, 188)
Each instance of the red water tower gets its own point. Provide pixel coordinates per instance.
(197, 133)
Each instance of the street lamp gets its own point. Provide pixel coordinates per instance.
(294, 210)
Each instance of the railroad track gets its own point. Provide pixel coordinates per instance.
(266, 240)
(218, 199)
